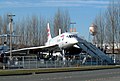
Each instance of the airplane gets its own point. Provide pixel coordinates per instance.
(62, 43)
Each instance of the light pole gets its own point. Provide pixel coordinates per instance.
(11, 30)
(113, 39)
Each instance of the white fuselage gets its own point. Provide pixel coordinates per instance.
(64, 40)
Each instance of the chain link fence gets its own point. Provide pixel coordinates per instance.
(32, 62)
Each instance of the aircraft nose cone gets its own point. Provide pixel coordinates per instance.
(74, 41)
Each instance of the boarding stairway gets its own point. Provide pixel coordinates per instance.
(94, 51)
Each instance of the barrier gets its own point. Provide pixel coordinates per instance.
(32, 62)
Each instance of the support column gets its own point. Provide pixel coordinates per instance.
(63, 54)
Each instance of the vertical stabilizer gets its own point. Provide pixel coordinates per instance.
(48, 32)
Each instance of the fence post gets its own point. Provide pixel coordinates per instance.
(23, 60)
(36, 62)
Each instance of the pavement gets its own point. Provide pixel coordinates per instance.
(94, 75)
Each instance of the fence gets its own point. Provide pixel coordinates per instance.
(32, 62)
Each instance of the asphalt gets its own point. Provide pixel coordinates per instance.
(94, 75)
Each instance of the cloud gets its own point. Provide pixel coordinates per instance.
(54, 3)
(74, 3)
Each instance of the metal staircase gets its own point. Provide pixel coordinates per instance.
(94, 51)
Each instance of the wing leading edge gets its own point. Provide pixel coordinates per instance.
(38, 49)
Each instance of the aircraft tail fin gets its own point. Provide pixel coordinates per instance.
(48, 32)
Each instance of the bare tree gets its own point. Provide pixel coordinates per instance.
(4, 27)
(33, 29)
(110, 23)
(99, 21)
(42, 33)
(66, 21)
(1, 25)
(61, 21)
(113, 20)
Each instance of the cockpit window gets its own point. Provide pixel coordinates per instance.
(72, 36)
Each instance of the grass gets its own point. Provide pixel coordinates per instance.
(52, 70)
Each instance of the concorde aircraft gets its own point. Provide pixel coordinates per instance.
(63, 42)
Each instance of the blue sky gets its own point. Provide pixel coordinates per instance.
(83, 12)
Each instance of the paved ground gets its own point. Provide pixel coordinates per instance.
(96, 75)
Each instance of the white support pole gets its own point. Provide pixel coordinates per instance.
(59, 31)
(63, 54)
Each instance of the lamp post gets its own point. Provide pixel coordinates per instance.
(11, 30)
(113, 39)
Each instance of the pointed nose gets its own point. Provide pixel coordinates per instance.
(73, 41)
